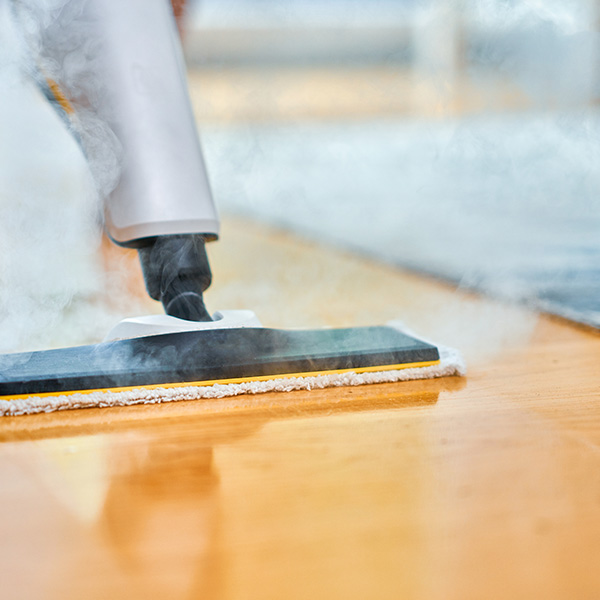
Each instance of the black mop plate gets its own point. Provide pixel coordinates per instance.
(209, 357)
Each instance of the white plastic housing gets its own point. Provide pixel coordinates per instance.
(136, 327)
(163, 187)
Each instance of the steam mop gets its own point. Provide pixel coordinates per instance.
(128, 81)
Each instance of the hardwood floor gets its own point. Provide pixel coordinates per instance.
(482, 487)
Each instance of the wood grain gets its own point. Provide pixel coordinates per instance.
(483, 487)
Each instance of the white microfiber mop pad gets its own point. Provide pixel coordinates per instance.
(451, 363)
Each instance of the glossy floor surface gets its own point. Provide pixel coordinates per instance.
(482, 487)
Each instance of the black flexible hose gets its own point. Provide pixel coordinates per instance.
(177, 272)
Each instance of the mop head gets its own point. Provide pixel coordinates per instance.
(449, 363)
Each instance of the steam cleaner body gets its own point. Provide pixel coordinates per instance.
(133, 84)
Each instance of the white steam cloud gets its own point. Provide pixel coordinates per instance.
(502, 194)
(50, 271)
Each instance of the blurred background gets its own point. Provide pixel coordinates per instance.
(458, 138)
